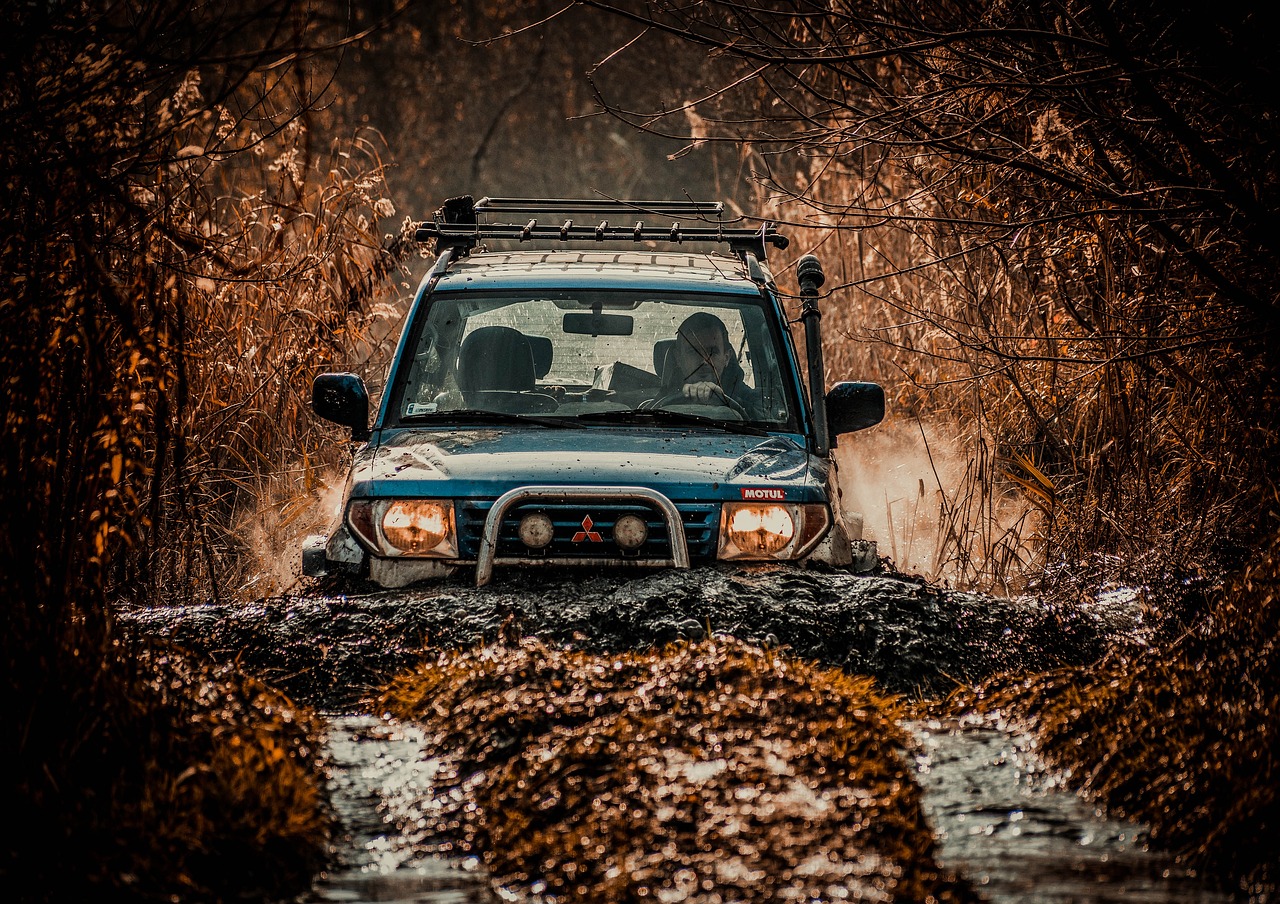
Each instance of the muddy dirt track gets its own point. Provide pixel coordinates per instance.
(333, 646)
(336, 645)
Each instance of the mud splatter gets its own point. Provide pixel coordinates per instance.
(333, 651)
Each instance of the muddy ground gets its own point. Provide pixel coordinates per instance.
(335, 644)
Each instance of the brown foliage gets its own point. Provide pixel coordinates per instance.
(1056, 221)
(162, 200)
(171, 779)
(1185, 738)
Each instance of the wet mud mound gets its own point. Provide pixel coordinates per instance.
(335, 650)
(709, 771)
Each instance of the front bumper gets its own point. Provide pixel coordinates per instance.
(590, 533)
(605, 526)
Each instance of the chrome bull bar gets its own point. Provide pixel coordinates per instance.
(487, 557)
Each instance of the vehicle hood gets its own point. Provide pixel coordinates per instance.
(681, 464)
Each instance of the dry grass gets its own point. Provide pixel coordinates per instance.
(1092, 379)
(701, 772)
(179, 257)
(249, 459)
(164, 779)
(1185, 738)
(928, 499)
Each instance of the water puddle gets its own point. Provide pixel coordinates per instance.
(1004, 822)
(381, 777)
(1019, 836)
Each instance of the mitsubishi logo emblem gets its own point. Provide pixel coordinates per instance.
(587, 533)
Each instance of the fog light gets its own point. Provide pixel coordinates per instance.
(416, 525)
(536, 531)
(630, 532)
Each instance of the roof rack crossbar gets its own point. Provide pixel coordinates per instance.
(529, 206)
(676, 233)
(457, 224)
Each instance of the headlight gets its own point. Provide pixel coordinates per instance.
(770, 530)
(405, 527)
(416, 526)
(759, 529)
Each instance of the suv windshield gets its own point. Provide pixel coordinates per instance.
(565, 354)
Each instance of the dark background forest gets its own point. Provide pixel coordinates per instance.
(1050, 231)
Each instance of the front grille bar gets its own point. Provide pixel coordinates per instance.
(487, 557)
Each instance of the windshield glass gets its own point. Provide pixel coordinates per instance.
(571, 353)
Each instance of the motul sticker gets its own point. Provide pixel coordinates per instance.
(769, 493)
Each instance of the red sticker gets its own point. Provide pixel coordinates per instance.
(769, 493)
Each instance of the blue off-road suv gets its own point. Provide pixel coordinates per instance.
(602, 396)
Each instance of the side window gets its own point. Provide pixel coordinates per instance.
(766, 369)
(741, 348)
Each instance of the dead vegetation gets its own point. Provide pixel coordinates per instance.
(179, 252)
(157, 777)
(1050, 226)
(1055, 225)
(707, 771)
(1184, 738)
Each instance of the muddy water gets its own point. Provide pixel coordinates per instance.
(380, 777)
(1018, 835)
(1002, 822)
(331, 649)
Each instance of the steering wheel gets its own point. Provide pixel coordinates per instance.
(721, 397)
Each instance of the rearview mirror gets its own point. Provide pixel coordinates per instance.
(343, 399)
(599, 324)
(853, 406)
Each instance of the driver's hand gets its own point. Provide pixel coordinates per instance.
(702, 392)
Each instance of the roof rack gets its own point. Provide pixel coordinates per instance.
(462, 224)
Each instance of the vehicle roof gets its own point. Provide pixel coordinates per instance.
(602, 269)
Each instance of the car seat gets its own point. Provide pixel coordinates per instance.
(543, 352)
(660, 350)
(494, 358)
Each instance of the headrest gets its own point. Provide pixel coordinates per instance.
(495, 357)
(660, 350)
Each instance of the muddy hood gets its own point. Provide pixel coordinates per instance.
(681, 464)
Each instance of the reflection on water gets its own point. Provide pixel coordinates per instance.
(381, 775)
(1003, 822)
(1017, 835)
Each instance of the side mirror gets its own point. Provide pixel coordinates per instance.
(853, 406)
(343, 399)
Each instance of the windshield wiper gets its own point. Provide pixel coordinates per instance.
(666, 417)
(482, 414)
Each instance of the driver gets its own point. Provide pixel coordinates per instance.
(701, 365)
